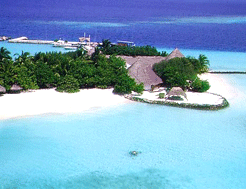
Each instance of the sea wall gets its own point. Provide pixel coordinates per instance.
(181, 104)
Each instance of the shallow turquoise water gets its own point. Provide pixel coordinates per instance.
(219, 60)
(17, 48)
(180, 148)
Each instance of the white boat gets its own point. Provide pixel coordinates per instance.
(70, 48)
(59, 43)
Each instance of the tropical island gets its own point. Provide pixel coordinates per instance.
(173, 79)
(139, 73)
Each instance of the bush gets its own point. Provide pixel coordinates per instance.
(199, 85)
(67, 71)
(175, 98)
(147, 50)
(161, 95)
(102, 86)
(175, 72)
(45, 76)
(68, 84)
(139, 88)
(125, 85)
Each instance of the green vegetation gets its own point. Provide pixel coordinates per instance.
(161, 95)
(109, 49)
(182, 72)
(175, 98)
(68, 84)
(69, 72)
(199, 85)
(223, 105)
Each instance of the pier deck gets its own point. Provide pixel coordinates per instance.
(68, 45)
(30, 41)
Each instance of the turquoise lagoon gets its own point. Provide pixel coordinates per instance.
(17, 48)
(180, 148)
(219, 60)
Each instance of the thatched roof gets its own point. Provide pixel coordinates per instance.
(2, 89)
(141, 70)
(174, 54)
(15, 88)
(176, 91)
(141, 67)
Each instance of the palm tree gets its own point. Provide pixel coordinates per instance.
(7, 72)
(22, 58)
(4, 53)
(204, 63)
(105, 45)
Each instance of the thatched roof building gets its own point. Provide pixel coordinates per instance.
(141, 67)
(141, 70)
(174, 54)
(2, 89)
(15, 88)
(176, 91)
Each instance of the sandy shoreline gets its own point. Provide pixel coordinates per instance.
(222, 86)
(49, 101)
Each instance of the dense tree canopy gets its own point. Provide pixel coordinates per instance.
(182, 72)
(4, 53)
(109, 49)
(67, 71)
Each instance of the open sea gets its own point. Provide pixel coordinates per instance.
(180, 148)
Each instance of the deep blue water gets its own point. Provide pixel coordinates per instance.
(216, 25)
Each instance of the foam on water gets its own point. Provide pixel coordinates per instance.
(83, 24)
(182, 32)
(202, 20)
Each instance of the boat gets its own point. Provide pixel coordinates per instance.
(59, 43)
(70, 48)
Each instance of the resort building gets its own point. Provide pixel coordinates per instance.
(85, 40)
(176, 92)
(175, 54)
(140, 68)
(125, 43)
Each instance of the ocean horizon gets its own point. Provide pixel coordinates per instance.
(180, 148)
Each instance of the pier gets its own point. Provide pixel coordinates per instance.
(26, 40)
(4, 38)
(84, 42)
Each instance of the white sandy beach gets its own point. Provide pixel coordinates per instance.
(219, 87)
(49, 101)
(52, 102)
(222, 86)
